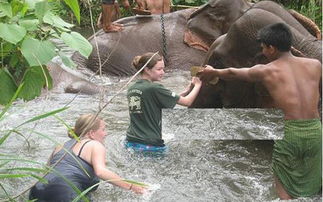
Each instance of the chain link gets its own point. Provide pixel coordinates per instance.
(164, 42)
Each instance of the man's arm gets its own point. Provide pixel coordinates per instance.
(251, 74)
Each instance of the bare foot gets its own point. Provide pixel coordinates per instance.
(117, 24)
(113, 28)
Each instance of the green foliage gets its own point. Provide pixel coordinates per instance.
(310, 8)
(7, 85)
(26, 30)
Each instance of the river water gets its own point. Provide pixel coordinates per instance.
(196, 167)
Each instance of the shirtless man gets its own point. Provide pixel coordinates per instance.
(293, 83)
(108, 9)
(154, 6)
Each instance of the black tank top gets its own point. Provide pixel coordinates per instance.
(73, 168)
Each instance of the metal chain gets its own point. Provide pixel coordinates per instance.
(164, 42)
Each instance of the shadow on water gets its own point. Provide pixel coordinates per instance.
(190, 170)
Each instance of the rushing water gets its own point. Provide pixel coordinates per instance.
(192, 169)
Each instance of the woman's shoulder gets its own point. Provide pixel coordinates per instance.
(96, 145)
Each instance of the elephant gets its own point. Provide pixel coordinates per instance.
(239, 48)
(71, 81)
(147, 34)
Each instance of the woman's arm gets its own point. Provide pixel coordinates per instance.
(98, 161)
(190, 97)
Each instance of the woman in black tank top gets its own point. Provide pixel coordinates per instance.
(73, 171)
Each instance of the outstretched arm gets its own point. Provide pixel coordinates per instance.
(98, 162)
(252, 74)
(187, 100)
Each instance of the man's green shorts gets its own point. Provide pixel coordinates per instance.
(297, 158)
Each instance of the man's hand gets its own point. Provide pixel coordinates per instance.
(207, 74)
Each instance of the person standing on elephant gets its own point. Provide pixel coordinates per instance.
(152, 6)
(146, 100)
(293, 83)
(108, 7)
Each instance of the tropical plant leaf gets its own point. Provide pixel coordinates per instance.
(34, 80)
(4, 176)
(41, 8)
(56, 21)
(8, 86)
(38, 170)
(42, 116)
(31, 3)
(4, 163)
(77, 42)
(37, 52)
(2, 139)
(5, 8)
(29, 25)
(73, 4)
(12, 33)
(135, 183)
(9, 104)
(66, 60)
(6, 48)
(85, 192)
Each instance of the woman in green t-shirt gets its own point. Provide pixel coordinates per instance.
(146, 100)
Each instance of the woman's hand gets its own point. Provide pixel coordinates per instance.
(196, 81)
(138, 189)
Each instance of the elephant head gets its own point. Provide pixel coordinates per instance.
(239, 48)
(215, 18)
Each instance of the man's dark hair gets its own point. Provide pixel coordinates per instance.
(277, 35)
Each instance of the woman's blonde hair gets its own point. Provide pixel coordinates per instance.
(139, 61)
(85, 124)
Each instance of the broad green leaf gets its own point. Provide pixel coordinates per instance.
(31, 3)
(8, 86)
(66, 60)
(40, 9)
(12, 33)
(5, 8)
(29, 25)
(73, 4)
(6, 48)
(56, 21)
(77, 42)
(7, 107)
(37, 52)
(35, 79)
(33, 83)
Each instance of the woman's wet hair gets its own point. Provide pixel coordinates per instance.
(139, 61)
(85, 124)
(277, 35)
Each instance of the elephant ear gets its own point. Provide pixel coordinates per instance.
(192, 40)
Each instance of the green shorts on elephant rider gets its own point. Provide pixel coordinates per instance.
(297, 158)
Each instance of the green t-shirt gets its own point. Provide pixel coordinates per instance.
(145, 101)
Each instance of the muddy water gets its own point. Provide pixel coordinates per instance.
(194, 169)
